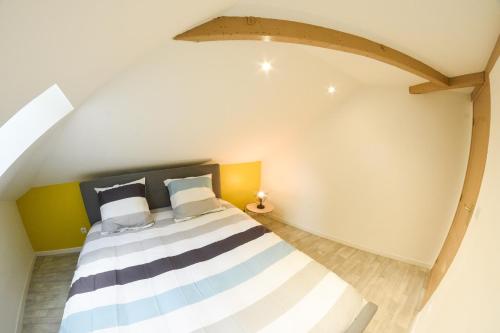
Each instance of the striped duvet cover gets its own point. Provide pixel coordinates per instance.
(220, 272)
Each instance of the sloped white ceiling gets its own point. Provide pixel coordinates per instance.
(192, 101)
(137, 92)
(81, 44)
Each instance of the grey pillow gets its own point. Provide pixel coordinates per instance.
(192, 196)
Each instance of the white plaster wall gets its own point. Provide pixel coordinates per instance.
(383, 172)
(16, 262)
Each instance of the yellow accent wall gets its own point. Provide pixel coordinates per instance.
(240, 182)
(53, 215)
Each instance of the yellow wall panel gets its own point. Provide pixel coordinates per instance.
(240, 182)
(53, 215)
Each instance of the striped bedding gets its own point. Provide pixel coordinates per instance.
(220, 272)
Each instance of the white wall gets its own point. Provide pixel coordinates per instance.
(16, 259)
(383, 172)
(466, 301)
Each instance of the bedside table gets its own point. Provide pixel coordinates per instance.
(252, 208)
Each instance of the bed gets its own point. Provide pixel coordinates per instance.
(219, 272)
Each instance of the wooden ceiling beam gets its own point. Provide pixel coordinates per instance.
(492, 60)
(489, 66)
(256, 28)
(462, 81)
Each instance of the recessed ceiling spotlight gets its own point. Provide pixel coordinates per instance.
(266, 38)
(266, 66)
(332, 90)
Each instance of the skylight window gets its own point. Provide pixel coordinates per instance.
(30, 123)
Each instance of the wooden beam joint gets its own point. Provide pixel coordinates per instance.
(462, 81)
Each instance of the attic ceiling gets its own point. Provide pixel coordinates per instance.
(94, 48)
(80, 45)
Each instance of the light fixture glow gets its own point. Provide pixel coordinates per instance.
(266, 38)
(266, 66)
(261, 194)
(331, 90)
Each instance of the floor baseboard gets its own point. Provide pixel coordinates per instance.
(341, 241)
(58, 252)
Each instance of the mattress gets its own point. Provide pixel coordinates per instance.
(220, 272)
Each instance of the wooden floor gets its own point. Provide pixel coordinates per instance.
(48, 291)
(394, 286)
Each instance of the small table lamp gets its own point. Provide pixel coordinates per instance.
(261, 196)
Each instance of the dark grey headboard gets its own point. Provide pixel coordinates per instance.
(156, 192)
